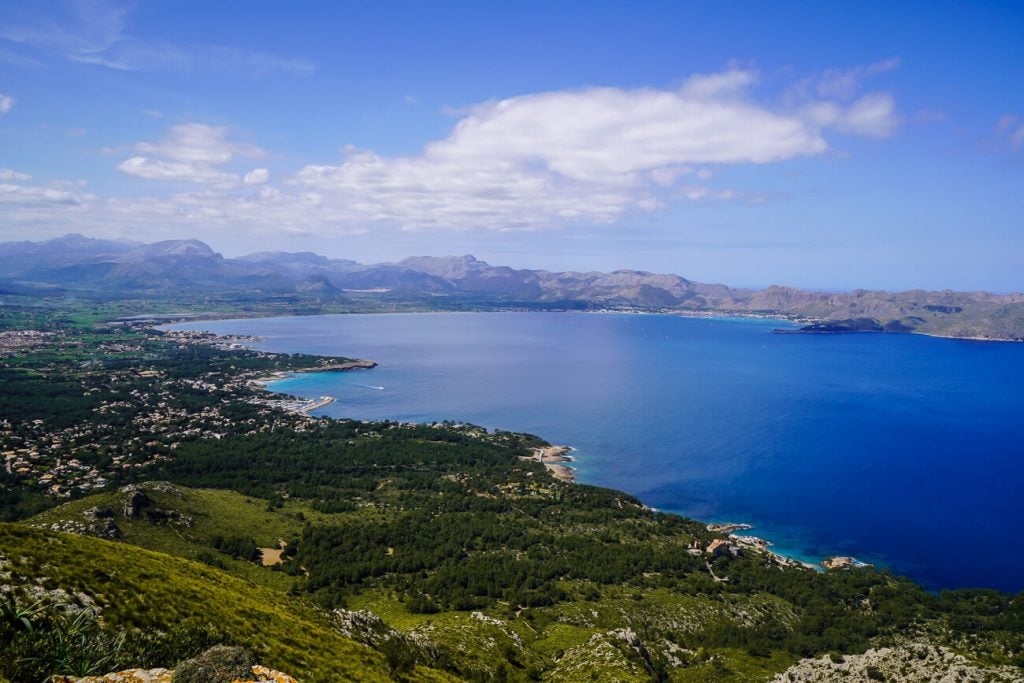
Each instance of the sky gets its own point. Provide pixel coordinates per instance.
(826, 145)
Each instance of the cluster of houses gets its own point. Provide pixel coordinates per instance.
(85, 457)
(18, 341)
(228, 342)
(33, 454)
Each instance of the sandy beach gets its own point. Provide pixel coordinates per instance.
(262, 382)
(553, 457)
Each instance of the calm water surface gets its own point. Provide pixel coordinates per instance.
(901, 450)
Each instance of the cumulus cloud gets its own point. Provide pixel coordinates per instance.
(199, 143)
(834, 99)
(546, 158)
(873, 115)
(528, 162)
(8, 174)
(731, 82)
(190, 152)
(591, 154)
(18, 195)
(6, 102)
(155, 169)
(257, 176)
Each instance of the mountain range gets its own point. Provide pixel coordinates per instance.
(74, 264)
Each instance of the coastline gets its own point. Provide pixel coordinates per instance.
(786, 559)
(303, 406)
(554, 459)
(186, 319)
(299, 406)
(563, 470)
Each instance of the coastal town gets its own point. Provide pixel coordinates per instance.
(123, 417)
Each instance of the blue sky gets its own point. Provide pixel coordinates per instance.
(831, 145)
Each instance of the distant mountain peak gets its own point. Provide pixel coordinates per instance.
(194, 248)
(77, 262)
(290, 257)
(447, 267)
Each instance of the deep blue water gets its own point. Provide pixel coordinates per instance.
(902, 450)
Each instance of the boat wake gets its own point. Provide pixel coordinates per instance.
(370, 386)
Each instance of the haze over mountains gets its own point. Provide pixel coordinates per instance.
(74, 264)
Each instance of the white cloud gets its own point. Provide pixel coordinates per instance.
(257, 176)
(8, 174)
(696, 193)
(199, 143)
(6, 102)
(530, 162)
(549, 158)
(833, 99)
(190, 152)
(731, 82)
(34, 195)
(155, 169)
(872, 115)
(846, 83)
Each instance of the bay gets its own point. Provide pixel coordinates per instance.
(902, 450)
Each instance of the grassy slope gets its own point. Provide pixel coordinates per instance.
(585, 635)
(144, 589)
(210, 512)
(575, 641)
(575, 634)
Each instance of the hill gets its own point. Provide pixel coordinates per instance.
(133, 588)
(176, 268)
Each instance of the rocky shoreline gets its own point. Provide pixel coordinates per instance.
(736, 542)
(554, 458)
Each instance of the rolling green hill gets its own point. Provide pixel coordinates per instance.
(654, 613)
(140, 589)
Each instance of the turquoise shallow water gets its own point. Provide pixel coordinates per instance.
(901, 450)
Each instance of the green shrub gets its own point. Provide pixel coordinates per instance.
(219, 664)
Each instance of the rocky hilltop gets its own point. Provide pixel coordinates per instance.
(81, 265)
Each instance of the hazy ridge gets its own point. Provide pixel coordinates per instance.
(77, 264)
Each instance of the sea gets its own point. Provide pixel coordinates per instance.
(904, 451)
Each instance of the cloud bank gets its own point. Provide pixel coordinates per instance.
(529, 162)
(191, 152)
